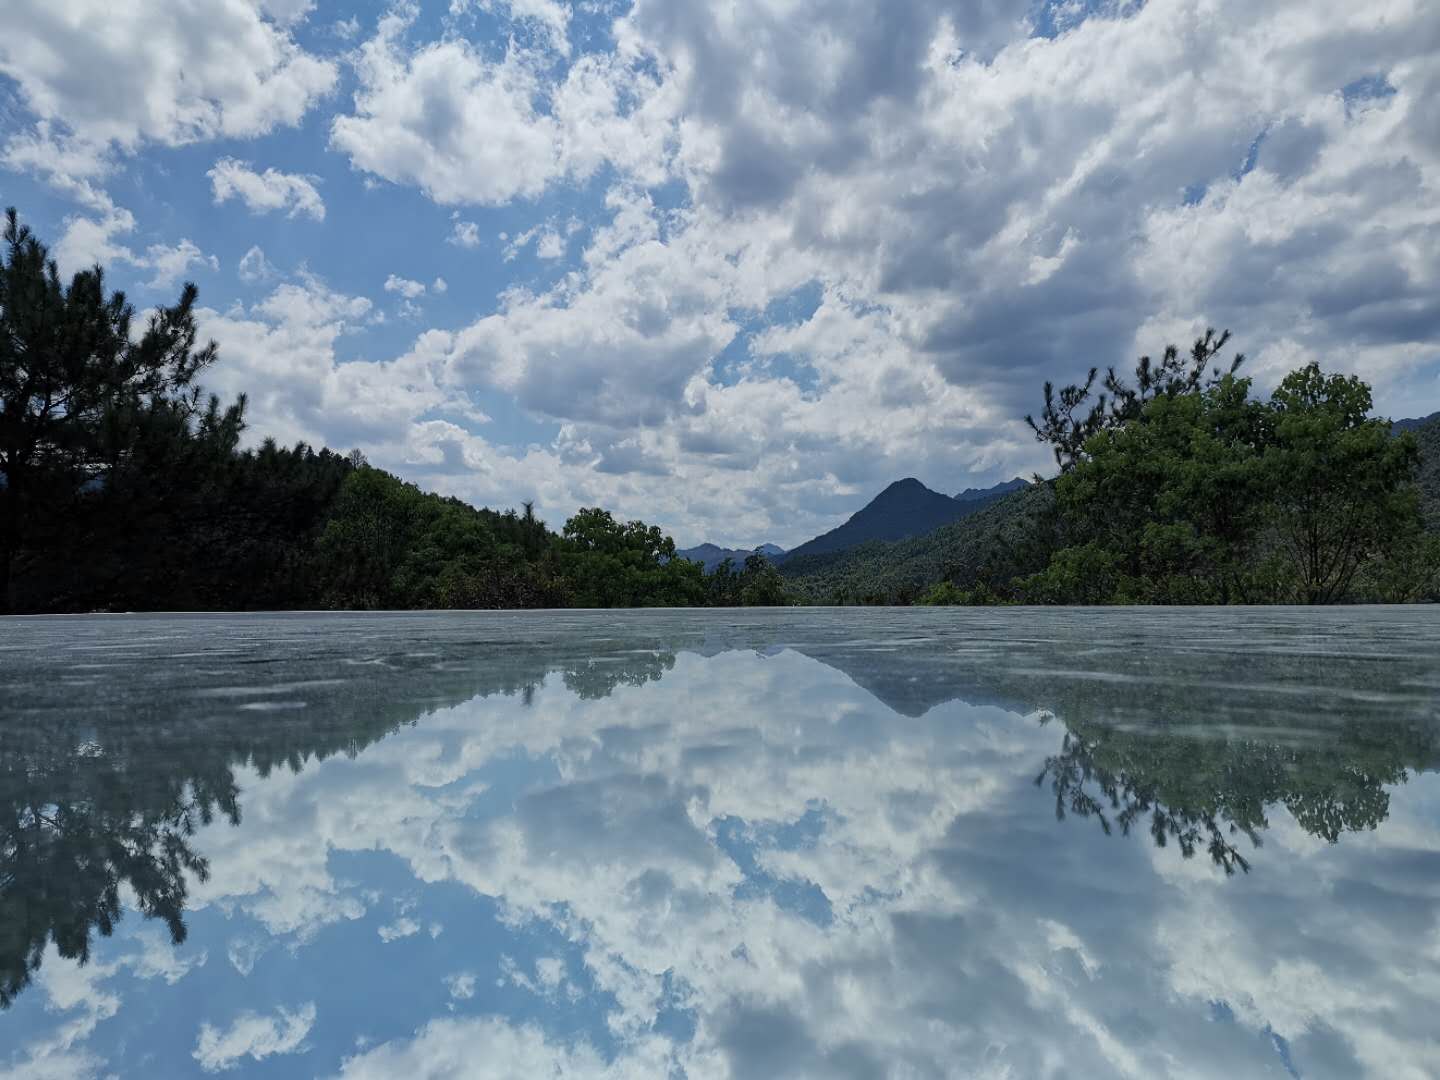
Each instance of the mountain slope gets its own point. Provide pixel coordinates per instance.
(905, 508)
(1414, 423)
(1427, 434)
(998, 539)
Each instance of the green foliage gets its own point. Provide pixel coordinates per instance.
(607, 563)
(761, 584)
(1427, 441)
(79, 391)
(1207, 496)
(1068, 422)
(387, 544)
(1343, 488)
(945, 594)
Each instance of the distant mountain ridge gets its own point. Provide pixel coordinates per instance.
(990, 494)
(904, 509)
(1414, 423)
(712, 555)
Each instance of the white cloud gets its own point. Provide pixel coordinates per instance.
(254, 1036)
(263, 192)
(469, 128)
(171, 262)
(491, 1049)
(166, 73)
(402, 927)
(404, 286)
(465, 234)
(86, 241)
(461, 985)
(254, 266)
(973, 207)
(463, 127)
(287, 12)
(550, 17)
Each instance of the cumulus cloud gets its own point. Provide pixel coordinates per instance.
(87, 241)
(491, 1048)
(402, 927)
(165, 73)
(254, 266)
(404, 286)
(978, 206)
(253, 1036)
(172, 261)
(263, 192)
(465, 234)
(839, 245)
(471, 128)
(461, 125)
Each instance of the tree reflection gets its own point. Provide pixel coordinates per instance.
(100, 811)
(63, 862)
(1214, 793)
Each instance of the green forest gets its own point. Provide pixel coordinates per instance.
(123, 486)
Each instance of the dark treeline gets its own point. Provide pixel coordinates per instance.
(124, 487)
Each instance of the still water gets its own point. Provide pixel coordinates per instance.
(729, 844)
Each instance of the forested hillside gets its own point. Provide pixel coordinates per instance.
(1427, 436)
(1001, 540)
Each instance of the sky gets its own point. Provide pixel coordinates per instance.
(733, 267)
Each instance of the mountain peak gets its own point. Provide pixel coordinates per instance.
(905, 508)
(908, 483)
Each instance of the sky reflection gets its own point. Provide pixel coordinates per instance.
(750, 844)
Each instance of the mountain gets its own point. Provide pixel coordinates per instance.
(1415, 423)
(998, 539)
(712, 555)
(905, 508)
(991, 494)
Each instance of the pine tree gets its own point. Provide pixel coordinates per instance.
(75, 387)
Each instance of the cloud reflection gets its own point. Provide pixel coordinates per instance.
(670, 848)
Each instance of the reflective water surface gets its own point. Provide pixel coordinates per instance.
(752, 844)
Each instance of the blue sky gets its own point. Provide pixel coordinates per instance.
(733, 269)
